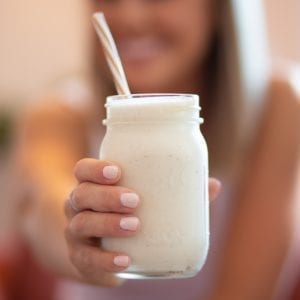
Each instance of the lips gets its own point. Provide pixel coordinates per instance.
(140, 50)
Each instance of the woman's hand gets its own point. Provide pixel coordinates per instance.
(98, 208)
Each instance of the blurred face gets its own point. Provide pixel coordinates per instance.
(162, 43)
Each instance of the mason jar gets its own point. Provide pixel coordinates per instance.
(156, 140)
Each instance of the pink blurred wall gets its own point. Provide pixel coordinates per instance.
(41, 41)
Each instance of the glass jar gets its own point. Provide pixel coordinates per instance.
(156, 140)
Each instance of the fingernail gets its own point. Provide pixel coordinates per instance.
(130, 200)
(121, 261)
(110, 172)
(129, 223)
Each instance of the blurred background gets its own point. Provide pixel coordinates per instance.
(44, 41)
(40, 43)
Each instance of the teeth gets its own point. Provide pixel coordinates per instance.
(139, 48)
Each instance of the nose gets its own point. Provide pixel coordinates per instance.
(133, 15)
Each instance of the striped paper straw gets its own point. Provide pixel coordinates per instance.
(111, 53)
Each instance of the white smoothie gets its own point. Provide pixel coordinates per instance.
(157, 142)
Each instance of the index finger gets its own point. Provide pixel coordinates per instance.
(97, 171)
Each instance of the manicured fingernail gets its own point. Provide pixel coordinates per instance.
(129, 223)
(130, 200)
(110, 172)
(121, 261)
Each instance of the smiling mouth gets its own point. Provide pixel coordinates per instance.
(140, 50)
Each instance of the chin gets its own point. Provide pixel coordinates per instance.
(149, 78)
(145, 84)
(146, 88)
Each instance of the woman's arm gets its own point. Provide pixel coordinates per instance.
(52, 138)
(263, 221)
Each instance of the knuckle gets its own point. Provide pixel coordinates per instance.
(109, 266)
(67, 235)
(86, 261)
(77, 167)
(77, 224)
(73, 256)
(89, 262)
(112, 224)
(78, 195)
(107, 224)
(111, 199)
(108, 199)
(105, 195)
(81, 258)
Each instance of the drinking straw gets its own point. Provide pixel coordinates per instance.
(111, 53)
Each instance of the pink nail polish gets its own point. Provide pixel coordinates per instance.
(130, 200)
(129, 223)
(121, 261)
(110, 172)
